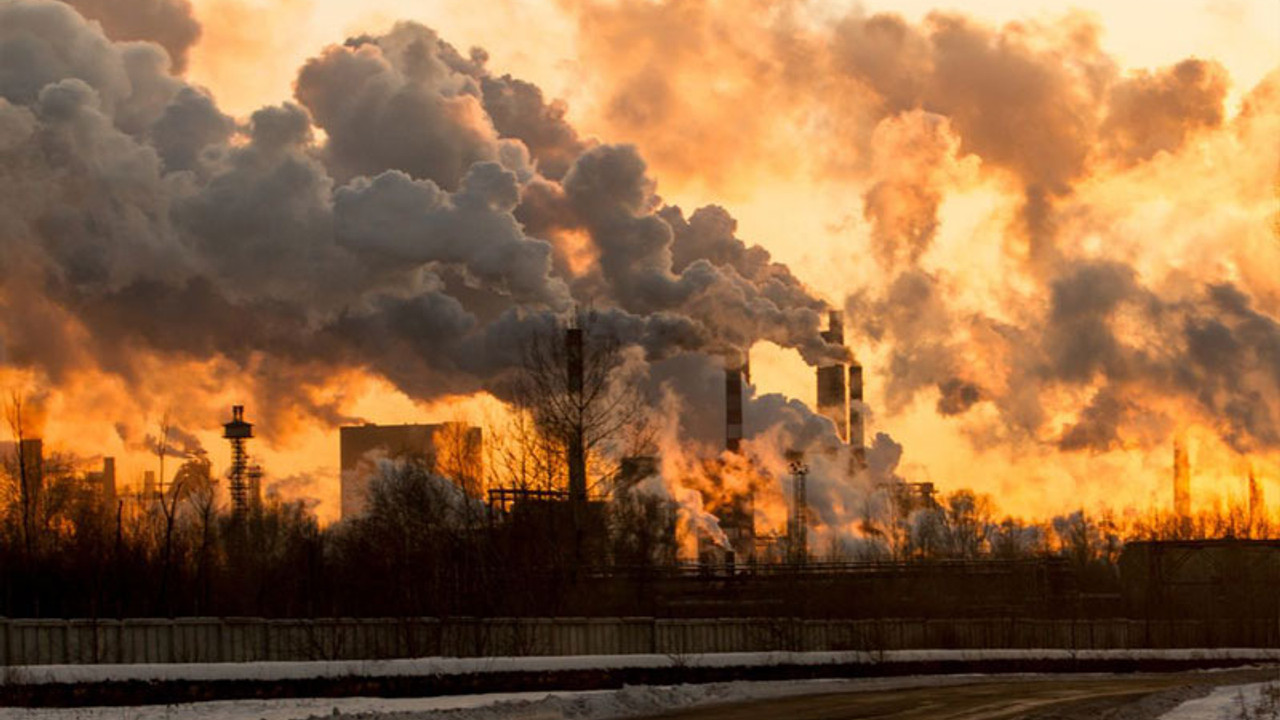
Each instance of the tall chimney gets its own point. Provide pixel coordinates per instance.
(1181, 480)
(832, 399)
(1257, 504)
(109, 482)
(857, 428)
(577, 453)
(31, 452)
(733, 408)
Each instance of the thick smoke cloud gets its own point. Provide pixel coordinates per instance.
(169, 23)
(1152, 113)
(416, 217)
(148, 228)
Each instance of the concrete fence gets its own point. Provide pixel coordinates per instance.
(203, 640)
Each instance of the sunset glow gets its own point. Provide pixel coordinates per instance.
(1054, 229)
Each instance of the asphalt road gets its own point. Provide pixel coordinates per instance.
(1130, 697)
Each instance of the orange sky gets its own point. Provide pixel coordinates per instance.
(251, 49)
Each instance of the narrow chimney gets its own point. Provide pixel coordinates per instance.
(733, 408)
(1257, 504)
(832, 399)
(857, 427)
(1181, 480)
(109, 482)
(31, 452)
(576, 443)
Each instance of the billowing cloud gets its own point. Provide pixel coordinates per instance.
(168, 23)
(151, 227)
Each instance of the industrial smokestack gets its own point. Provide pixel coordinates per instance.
(832, 399)
(31, 466)
(1257, 504)
(857, 428)
(1181, 480)
(733, 408)
(109, 482)
(576, 443)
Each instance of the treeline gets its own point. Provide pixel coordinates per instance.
(967, 525)
(425, 547)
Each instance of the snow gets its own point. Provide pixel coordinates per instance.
(588, 705)
(269, 671)
(290, 709)
(1224, 703)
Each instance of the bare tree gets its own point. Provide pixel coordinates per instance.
(968, 517)
(25, 477)
(168, 503)
(599, 409)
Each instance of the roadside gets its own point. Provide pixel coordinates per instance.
(962, 697)
(1130, 697)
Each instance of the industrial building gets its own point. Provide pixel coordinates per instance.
(103, 482)
(37, 472)
(454, 450)
(839, 398)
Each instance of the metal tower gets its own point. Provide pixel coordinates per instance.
(238, 431)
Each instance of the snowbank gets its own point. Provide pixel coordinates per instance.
(1224, 703)
(589, 705)
(428, 667)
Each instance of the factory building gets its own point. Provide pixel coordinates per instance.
(103, 482)
(454, 450)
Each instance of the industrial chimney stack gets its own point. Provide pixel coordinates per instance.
(841, 401)
(733, 386)
(1181, 480)
(833, 401)
(857, 426)
(31, 466)
(577, 452)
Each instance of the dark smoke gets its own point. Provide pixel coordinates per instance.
(169, 23)
(420, 241)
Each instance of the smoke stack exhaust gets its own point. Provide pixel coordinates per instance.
(1181, 481)
(576, 443)
(31, 468)
(109, 482)
(833, 401)
(857, 427)
(733, 376)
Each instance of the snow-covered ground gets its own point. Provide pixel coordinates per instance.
(423, 667)
(1223, 704)
(593, 705)
(1230, 702)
